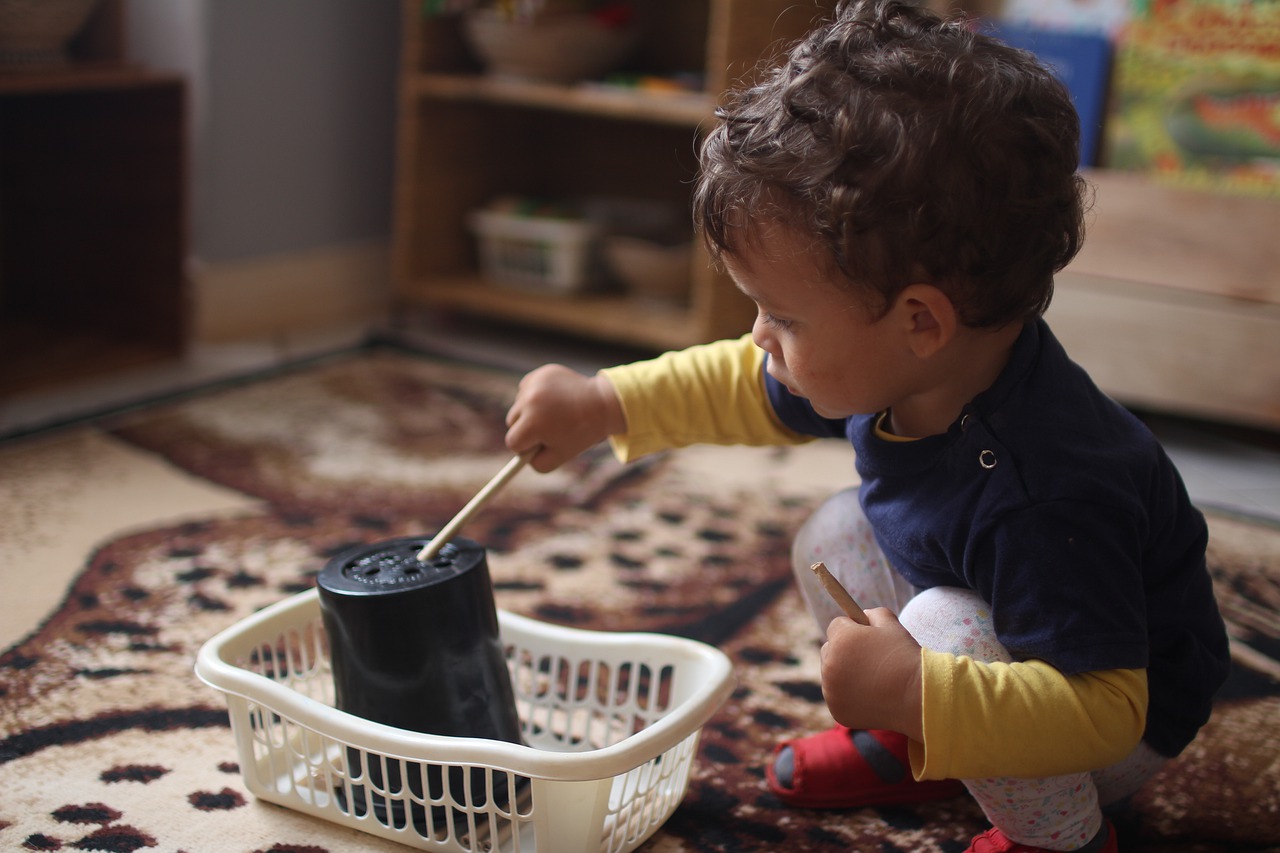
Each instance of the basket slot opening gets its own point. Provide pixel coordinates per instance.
(642, 799)
(582, 704)
(298, 659)
(469, 805)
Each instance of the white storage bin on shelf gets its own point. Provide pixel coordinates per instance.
(553, 254)
(610, 722)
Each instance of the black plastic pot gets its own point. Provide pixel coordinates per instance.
(415, 645)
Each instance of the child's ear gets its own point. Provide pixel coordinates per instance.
(928, 317)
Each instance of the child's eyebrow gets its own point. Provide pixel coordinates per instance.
(761, 304)
(743, 290)
(746, 291)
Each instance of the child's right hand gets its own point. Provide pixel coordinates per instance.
(871, 674)
(562, 413)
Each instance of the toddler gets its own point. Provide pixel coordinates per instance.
(896, 197)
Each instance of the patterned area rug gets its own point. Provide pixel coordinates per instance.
(109, 742)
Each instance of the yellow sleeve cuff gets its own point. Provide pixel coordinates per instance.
(1024, 719)
(706, 394)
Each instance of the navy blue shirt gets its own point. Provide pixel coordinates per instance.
(1064, 513)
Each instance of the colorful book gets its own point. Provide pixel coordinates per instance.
(1196, 97)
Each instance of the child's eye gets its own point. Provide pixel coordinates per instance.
(776, 322)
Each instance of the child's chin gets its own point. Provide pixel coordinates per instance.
(835, 412)
(827, 411)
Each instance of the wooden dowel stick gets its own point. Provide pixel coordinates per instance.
(473, 506)
(840, 594)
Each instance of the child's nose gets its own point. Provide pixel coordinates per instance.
(762, 337)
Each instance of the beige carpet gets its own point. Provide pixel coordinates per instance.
(62, 495)
(129, 542)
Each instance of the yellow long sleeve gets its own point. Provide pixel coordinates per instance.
(706, 394)
(1024, 719)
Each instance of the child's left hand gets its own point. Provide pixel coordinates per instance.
(871, 675)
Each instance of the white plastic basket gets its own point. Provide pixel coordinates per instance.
(544, 253)
(610, 722)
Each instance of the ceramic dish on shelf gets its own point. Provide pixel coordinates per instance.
(552, 48)
(651, 269)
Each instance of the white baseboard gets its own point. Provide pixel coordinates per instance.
(287, 295)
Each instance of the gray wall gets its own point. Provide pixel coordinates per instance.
(292, 117)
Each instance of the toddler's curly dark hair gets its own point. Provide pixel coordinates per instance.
(914, 150)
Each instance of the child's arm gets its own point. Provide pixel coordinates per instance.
(707, 394)
(1026, 718)
(712, 393)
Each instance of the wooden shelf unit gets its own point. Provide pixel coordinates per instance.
(92, 214)
(465, 138)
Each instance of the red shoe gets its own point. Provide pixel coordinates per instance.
(842, 768)
(995, 841)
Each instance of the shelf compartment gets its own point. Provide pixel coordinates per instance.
(614, 317)
(681, 110)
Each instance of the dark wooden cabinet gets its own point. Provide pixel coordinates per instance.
(93, 214)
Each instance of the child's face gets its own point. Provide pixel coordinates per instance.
(824, 342)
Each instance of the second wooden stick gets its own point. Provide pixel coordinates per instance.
(840, 594)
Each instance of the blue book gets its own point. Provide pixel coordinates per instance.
(1081, 60)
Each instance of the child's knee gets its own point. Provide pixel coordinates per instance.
(837, 526)
(839, 535)
(954, 620)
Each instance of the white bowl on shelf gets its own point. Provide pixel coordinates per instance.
(551, 48)
(650, 269)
